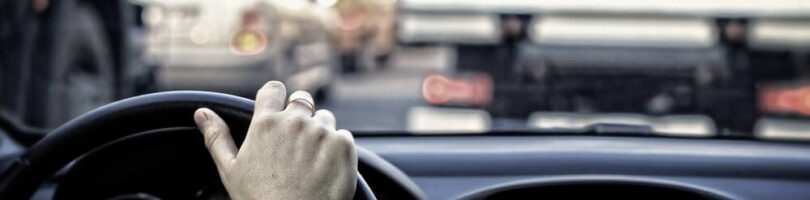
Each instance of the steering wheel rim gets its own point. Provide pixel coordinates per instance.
(111, 122)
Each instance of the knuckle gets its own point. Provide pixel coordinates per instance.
(311, 126)
(325, 114)
(211, 130)
(320, 131)
(336, 147)
(342, 144)
(323, 130)
(267, 120)
(212, 136)
(315, 132)
(297, 123)
(343, 140)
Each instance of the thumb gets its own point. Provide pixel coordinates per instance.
(217, 137)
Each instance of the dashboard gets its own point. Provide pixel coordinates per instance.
(495, 167)
(471, 167)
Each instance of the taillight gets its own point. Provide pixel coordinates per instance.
(475, 90)
(249, 40)
(780, 100)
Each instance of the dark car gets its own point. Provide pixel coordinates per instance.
(63, 58)
(239, 44)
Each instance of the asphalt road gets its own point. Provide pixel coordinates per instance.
(379, 100)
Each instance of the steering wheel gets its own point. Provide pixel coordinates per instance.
(121, 119)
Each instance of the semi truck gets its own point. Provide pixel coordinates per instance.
(733, 64)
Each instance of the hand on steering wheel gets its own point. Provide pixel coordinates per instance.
(288, 153)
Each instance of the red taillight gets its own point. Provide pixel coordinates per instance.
(251, 38)
(786, 100)
(475, 90)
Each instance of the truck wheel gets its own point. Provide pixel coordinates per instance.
(349, 62)
(81, 75)
(322, 94)
(383, 61)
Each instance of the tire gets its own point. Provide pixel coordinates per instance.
(349, 62)
(383, 61)
(81, 75)
(323, 94)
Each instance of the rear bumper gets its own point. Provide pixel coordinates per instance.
(449, 28)
(651, 80)
(243, 81)
(675, 125)
(213, 57)
(213, 69)
(646, 61)
(239, 80)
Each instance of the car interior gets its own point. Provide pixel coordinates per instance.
(445, 99)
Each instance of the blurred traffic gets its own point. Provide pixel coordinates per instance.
(235, 47)
(688, 68)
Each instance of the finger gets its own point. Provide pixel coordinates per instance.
(217, 136)
(301, 103)
(270, 98)
(349, 142)
(346, 134)
(326, 118)
(341, 144)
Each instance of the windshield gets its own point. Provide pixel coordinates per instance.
(678, 68)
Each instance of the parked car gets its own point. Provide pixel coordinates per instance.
(59, 59)
(364, 32)
(235, 46)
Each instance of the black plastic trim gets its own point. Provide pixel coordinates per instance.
(584, 179)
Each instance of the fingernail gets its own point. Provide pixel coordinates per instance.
(201, 116)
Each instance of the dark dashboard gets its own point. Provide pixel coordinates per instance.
(479, 167)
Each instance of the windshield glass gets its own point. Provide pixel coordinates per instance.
(679, 68)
